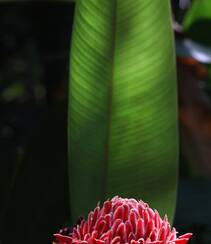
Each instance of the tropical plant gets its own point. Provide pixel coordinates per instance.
(122, 104)
(123, 220)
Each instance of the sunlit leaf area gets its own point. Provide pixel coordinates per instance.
(104, 98)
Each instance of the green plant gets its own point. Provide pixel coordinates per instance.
(197, 21)
(122, 104)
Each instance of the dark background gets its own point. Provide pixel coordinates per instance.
(34, 54)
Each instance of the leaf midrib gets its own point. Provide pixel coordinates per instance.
(110, 102)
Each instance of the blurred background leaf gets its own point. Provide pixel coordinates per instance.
(197, 22)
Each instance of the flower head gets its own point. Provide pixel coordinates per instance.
(123, 221)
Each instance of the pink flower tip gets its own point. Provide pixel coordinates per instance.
(122, 221)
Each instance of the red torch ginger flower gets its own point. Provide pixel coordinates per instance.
(123, 221)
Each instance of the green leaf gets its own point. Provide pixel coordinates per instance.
(197, 22)
(122, 104)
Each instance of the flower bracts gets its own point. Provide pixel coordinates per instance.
(123, 221)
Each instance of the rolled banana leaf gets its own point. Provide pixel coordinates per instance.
(122, 126)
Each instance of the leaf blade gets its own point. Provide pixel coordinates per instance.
(141, 74)
(118, 145)
(88, 111)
